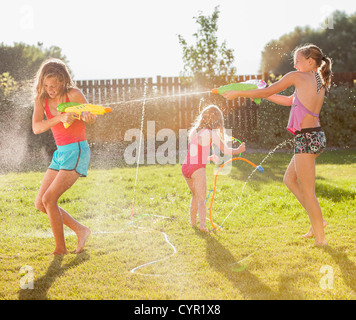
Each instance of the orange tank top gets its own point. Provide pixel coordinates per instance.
(62, 136)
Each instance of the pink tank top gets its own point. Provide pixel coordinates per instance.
(297, 113)
(197, 153)
(62, 136)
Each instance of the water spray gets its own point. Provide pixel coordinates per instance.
(139, 149)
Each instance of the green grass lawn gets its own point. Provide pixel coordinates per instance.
(259, 254)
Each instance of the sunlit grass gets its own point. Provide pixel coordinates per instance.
(259, 254)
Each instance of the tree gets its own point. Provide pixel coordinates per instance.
(18, 66)
(337, 40)
(340, 42)
(206, 63)
(22, 61)
(7, 85)
(276, 56)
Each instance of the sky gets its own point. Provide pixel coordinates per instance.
(115, 39)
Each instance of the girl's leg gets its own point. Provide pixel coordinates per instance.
(81, 231)
(53, 186)
(305, 171)
(193, 204)
(48, 178)
(291, 181)
(199, 180)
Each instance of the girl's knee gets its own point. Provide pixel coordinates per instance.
(200, 201)
(308, 194)
(285, 180)
(48, 199)
(39, 205)
(288, 181)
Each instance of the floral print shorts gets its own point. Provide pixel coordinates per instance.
(309, 140)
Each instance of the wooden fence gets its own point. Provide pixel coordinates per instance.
(345, 78)
(182, 104)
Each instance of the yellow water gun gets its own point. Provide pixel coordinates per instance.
(78, 108)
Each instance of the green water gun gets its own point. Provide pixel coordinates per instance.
(242, 86)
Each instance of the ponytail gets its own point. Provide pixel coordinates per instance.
(322, 62)
(326, 72)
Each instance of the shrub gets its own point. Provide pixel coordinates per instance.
(338, 117)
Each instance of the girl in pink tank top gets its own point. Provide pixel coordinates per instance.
(71, 159)
(207, 130)
(63, 136)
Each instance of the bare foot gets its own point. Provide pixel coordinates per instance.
(193, 221)
(82, 238)
(321, 244)
(203, 229)
(310, 233)
(59, 252)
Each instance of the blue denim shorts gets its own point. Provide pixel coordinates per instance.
(73, 156)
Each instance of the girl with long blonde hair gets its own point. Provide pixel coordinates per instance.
(53, 85)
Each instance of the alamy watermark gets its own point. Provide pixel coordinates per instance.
(27, 17)
(27, 277)
(327, 280)
(326, 17)
(168, 152)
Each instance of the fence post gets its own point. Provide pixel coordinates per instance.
(177, 101)
(114, 96)
(149, 86)
(96, 91)
(164, 86)
(126, 90)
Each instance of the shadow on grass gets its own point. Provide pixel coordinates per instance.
(250, 286)
(276, 165)
(42, 285)
(334, 193)
(107, 159)
(347, 267)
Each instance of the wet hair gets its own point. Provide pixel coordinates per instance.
(52, 68)
(211, 118)
(323, 63)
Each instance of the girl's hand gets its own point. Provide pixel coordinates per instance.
(88, 117)
(231, 95)
(214, 158)
(68, 117)
(242, 147)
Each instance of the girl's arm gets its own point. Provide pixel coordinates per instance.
(76, 95)
(282, 100)
(288, 80)
(224, 148)
(39, 125)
